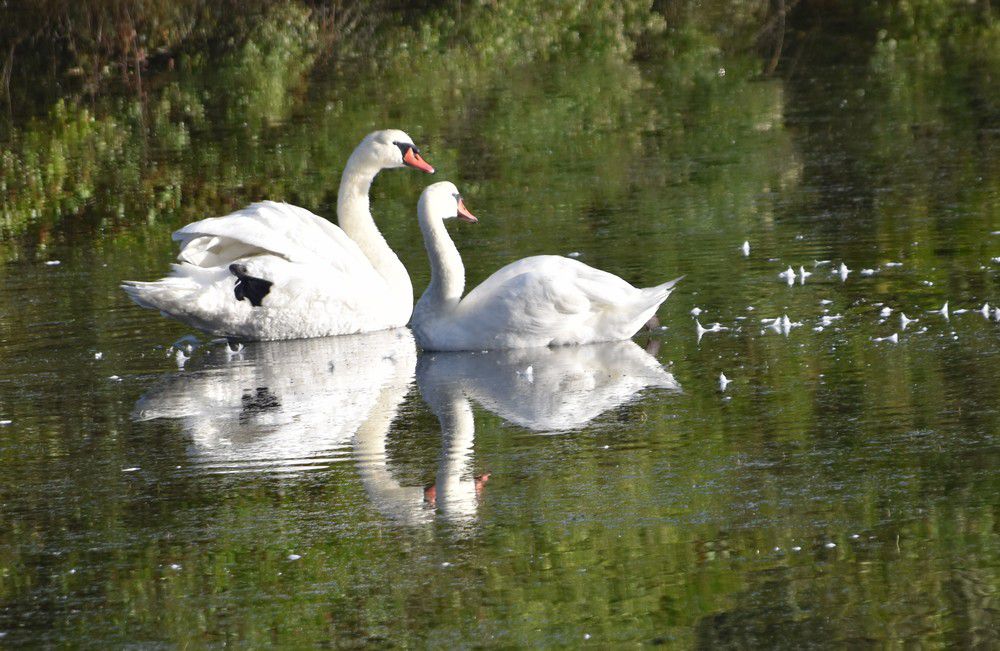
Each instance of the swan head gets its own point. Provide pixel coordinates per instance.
(391, 148)
(443, 201)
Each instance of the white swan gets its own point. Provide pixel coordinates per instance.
(538, 301)
(277, 271)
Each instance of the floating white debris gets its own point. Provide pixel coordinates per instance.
(820, 263)
(446, 564)
(745, 248)
(886, 311)
(803, 274)
(943, 311)
(868, 272)
(181, 358)
(699, 329)
(996, 259)
(854, 536)
(723, 381)
(53, 263)
(696, 311)
(894, 264)
(132, 469)
(905, 321)
(528, 374)
(893, 338)
(842, 271)
(985, 310)
(5, 422)
(114, 378)
(98, 355)
(996, 314)
(929, 283)
(830, 545)
(825, 301)
(796, 548)
(294, 557)
(782, 325)
(827, 320)
(175, 566)
(788, 276)
(959, 311)
(573, 254)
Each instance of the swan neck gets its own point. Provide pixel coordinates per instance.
(447, 271)
(355, 219)
(353, 207)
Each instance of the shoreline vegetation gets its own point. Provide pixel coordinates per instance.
(96, 91)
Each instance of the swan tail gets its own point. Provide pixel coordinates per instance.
(654, 296)
(181, 295)
(649, 302)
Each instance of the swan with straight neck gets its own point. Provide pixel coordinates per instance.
(542, 300)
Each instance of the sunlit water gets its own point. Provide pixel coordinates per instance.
(841, 489)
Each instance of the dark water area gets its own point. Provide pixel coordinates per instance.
(162, 488)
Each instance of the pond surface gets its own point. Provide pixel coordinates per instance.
(841, 489)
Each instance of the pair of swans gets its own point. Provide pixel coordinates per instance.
(277, 271)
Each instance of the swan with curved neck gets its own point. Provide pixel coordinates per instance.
(538, 301)
(276, 271)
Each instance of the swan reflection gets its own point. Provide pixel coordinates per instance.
(549, 389)
(541, 389)
(286, 405)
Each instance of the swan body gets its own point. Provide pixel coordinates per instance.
(543, 300)
(276, 271)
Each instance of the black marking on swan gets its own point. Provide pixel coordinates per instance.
(405, 146)
(248, 287)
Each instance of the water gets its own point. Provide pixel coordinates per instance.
(351, 491)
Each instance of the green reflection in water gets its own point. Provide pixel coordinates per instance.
(669, 517)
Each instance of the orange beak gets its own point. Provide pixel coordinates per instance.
(464, 214)
(414, 160)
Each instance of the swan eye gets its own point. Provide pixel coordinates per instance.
(404, 146)
(457, 196)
